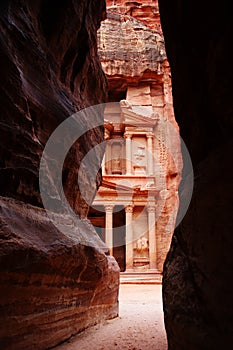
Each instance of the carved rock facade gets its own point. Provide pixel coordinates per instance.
(141, 160)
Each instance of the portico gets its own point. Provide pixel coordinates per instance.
(129, 188)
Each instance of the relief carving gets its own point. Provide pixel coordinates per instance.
(116, 162)
(142, 244)
(140, 154)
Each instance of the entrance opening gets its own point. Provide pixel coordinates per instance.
(98, 219)
(119, 239)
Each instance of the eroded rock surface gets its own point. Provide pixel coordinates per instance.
(144, 11)
(53, 284)
(47, 53)
(197, 285)
(128, 47)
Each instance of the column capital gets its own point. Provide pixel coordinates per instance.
(107, 134)
(151, 208)
(149, 135)
(109, 208)
(129, 208)
(127, 135)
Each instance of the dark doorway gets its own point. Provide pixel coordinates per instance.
(119, 237)
(97, 217)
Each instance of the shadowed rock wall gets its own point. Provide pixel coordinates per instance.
(47, 53)
(53, 284)
(197, 284)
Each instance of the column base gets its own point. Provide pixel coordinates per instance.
(129, 270)
(154, 271)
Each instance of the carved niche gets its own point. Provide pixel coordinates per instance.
(116, 157)
(141, 253)
(139, 158)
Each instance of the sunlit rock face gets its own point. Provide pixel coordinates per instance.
(54, 282)
(197, 286)
(144, 11)
(129, 48)
(132, 53)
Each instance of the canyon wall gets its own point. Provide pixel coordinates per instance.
(197, 284)
(55, 282)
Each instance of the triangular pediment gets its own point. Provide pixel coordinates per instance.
(115, 186)
(137, 115)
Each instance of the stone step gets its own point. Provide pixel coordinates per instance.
(141, 277)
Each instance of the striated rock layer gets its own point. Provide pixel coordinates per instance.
(198, 273)
(130, 50)
(144, 11)
(47, 52)
(53, 284)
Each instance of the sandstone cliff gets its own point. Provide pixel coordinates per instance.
(52, 283)
(197, 285)
(130, 52)
(145, 11)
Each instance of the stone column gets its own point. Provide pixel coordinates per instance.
(108, 227)
(152, 237)
(129, 237)
(103, 164)
(128, 152)
(150, 160)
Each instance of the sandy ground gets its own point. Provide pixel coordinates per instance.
(139, 327)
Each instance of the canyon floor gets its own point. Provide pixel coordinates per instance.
(139, 326)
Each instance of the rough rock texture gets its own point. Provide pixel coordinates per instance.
(145, 11)
(47, 52)
(53, 284)
(197, 285)
(132, 53)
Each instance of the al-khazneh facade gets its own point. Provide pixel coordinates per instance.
(135, 209)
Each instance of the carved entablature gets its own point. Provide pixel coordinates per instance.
(147, 130)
